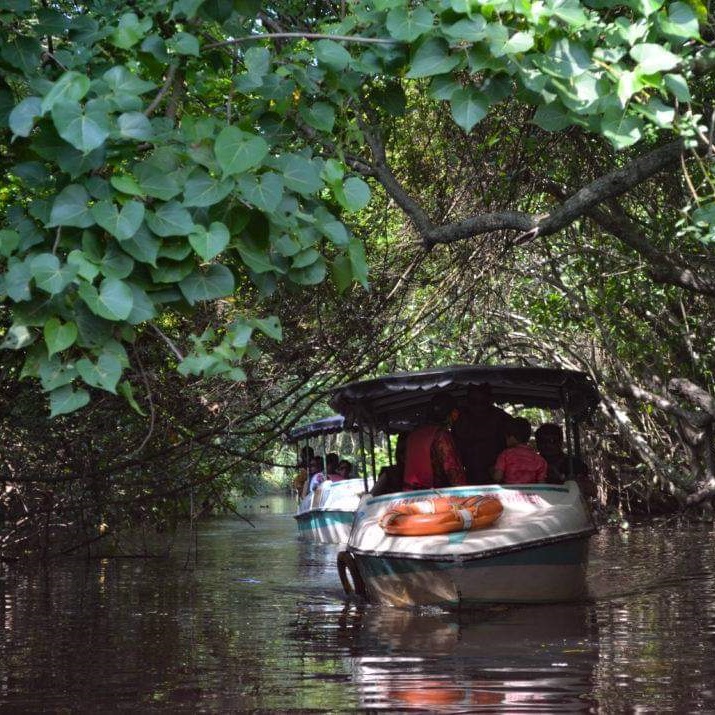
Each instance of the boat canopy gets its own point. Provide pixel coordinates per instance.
(400, 401)
(328, 425)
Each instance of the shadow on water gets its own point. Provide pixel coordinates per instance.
(258, 622)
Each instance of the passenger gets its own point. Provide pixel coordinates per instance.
(330, 473)
(519, 463)
(306, 454)
(390, 478)
(315, 475)
(431, 458)
(479, 433)
(345, 469)
(549, 442)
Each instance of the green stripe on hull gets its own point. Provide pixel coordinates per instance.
(324, 520)
(564, 553)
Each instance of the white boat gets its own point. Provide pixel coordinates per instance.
(325, 515)
(535, 552)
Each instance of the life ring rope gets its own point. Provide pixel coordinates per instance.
(441, 515)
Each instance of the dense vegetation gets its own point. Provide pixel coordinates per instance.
(194, 190)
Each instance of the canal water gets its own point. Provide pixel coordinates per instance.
(245, 617)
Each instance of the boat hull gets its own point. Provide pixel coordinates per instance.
(537, 552)
(326, 516)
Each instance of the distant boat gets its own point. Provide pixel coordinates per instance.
(536, 551)
(325, 516)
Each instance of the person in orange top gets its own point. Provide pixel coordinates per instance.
(431, 458)
(519, 463)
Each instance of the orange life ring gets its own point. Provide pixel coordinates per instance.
(441, 515)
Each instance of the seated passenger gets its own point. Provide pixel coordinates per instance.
(306, 454)
(315, 475)
(390, 478)
(549, 442)
(479, 433)
(519, 463)
(330, 473)
(345, 470)
(431, 458)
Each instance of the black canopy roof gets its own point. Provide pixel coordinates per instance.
(328, 425)
(399, 401)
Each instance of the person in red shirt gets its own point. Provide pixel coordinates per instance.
(431, 457)
(519, 463)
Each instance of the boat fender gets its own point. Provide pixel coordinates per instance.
(346, 563)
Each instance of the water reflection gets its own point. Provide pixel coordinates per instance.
(256, 620)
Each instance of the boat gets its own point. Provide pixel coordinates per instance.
(325, 515)
(536, 551)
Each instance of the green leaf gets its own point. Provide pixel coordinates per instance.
(104, 374)
(565, 59)
(358, 262)
(203, 190)
(183, 43)
(70, 208)
(678, 87)
(353, 195)
(332, 54)
(467, 30)
(59, 337)
(156, 182)
(126, 184)
(341, 273)
(85, 268)
(305, 258)
(622, 131)
(64, 400)
(115, 263)
(257, 61)
(552, 117)
(658, 113)
(70, 87)
(143, 308)
(257, 260)
(135, 125)
(301, 174)
(50, 275)
(264, 192)
(209, 244)
(121, 224)
(408, 25)
(320, 115)
(125, 389)
(310, 275)
(130, 30)
(123, 82)
(113, 302)
(682, 22)
(17, 280)
(214, 282)
(431, 58)
(9, 241)
(84, 131)
(237, 151)
(143, 246)
(53, 373)
(270, 326)
(469, 106)
(22, 117)
(171, 219)
(519, 42)
(652, 58)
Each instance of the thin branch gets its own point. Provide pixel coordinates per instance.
(303, 36)
(168, 82)
(168, 341)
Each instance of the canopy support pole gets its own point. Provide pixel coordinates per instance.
(363, 461)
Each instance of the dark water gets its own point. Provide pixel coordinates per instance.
(257, 622)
